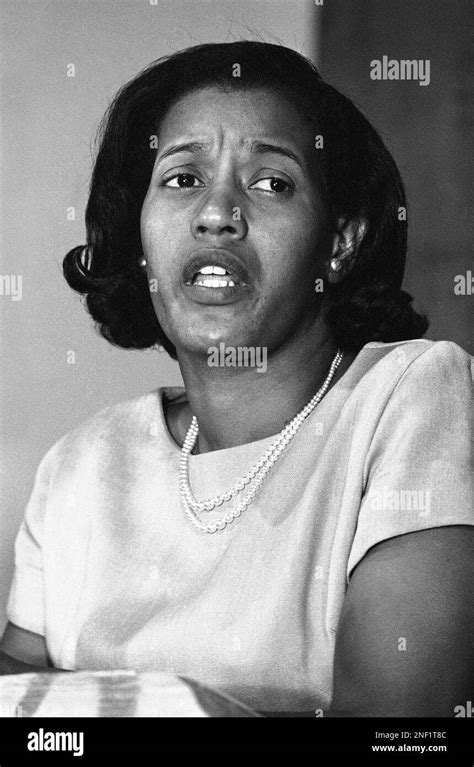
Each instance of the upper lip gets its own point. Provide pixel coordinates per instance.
(215, 257)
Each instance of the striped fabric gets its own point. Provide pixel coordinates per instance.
(113, 694)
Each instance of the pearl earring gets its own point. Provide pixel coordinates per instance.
(142, 262)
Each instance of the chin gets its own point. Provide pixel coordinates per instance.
(200, 342)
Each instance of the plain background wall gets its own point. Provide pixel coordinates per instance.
(429, 130)
(49, 123)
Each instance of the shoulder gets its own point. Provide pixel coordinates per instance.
(442, 358)
(409, 378)
(118, 427)
(427, 371)
(424, 391)
(419, 354)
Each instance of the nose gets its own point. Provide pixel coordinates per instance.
(219, 216)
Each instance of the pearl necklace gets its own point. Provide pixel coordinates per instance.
(192, 507)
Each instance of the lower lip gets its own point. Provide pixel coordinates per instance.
(215, 296)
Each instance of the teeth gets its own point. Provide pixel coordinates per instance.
(212, 270)
(214, 283)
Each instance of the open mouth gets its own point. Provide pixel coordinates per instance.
(213, 276)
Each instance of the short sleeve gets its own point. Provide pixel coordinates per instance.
(25, 607)
(419, 467)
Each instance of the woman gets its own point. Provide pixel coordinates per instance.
(300, 537)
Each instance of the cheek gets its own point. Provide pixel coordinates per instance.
(161, 230)
(152, 217)
(156, 238)
(312, 243)
(294, 250)
(149, 217)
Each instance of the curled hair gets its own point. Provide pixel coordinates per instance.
(359, 178)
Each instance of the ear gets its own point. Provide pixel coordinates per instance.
(346, 242)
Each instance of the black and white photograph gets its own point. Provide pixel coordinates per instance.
(237, 343)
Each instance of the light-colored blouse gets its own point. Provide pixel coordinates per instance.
(113, 574)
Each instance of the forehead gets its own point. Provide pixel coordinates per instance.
(241, 113)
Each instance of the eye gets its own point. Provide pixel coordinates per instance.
(182, 181)
(272, 184)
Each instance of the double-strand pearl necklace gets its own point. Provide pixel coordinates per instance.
(192, 507)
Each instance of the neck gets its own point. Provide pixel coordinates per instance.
(235, 406)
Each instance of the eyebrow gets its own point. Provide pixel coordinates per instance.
(263, 147)
(190, 146)
(258, 147)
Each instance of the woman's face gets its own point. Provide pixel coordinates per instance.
(233, 225)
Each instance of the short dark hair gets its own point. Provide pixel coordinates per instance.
(359, 176)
